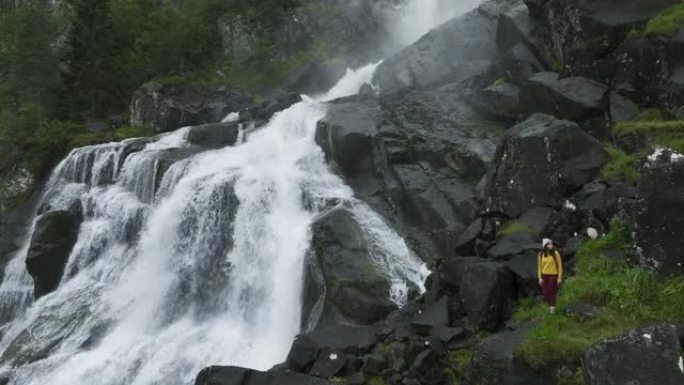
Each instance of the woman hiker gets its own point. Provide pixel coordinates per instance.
(549, 272)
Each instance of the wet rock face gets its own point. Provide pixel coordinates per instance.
(342, 284)
(659, 221)
(54, 236)
(539, 162)
(228, 375)
(494, 363)
(648, 356)
(169, 107)
(439, 57)
(579, 33)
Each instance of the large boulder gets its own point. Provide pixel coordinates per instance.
(579, 33)
(645, 356)
(318, 349)
(501, 100)
(460, 48)
(54, 237)
(494, 362)
(230, 375)
(539, 162)
(214, 135)
(168, 107)
(648, 70)
(485, 288)
(659, 233)
(343, 285)
(346, 134)
(415, 158)
(572, 98)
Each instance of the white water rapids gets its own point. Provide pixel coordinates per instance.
(216, 275)
(195, 265)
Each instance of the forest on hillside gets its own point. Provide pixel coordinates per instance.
(69, 64)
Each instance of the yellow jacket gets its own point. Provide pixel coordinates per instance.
(550, 265)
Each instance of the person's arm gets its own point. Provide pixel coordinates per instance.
(539, 268)
(559, 263)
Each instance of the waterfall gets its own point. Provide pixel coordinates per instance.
(199, 263)
(190, 258)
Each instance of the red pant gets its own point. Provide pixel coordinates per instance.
(550, 288)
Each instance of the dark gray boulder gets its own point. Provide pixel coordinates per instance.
(168, 107)
(54, 237)
(342, 284)
(230, 375)
(539, 162)
(346, 339)
(579, 33)
(485, 288)
(536, 218)
(263, 111)
(512, 244)
(501, 100)
(659, 223)
(494, 362)
(460, 48)
(572, 98)
(215, 135)
(432, 317)
(517, 65)
(346, 134)
(524, 268)
(646, 356)
(516, 26)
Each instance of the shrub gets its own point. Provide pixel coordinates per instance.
(131, 132)
(666, 22)
(621, 165)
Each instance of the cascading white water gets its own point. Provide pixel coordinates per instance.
(160, 311)
(198, 264)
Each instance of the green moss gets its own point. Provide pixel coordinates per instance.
(650, 114)
(131, 132)
(621, 165)
(457, 363)
(628, 297)
(666, 22)
(666, 133)
(338, 381)
(515, 228)
(377, 380)
(571, 376)
(499, 81)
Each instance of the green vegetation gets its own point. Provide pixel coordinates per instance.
(621, 165)
(131, 132)
(88, 57)
(458, 361)
(667, 133)
(627, 296)
(338, 381)
(377, 380)
(499, 81)
(666, 22)
(515, 228)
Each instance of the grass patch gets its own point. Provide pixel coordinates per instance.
(515, 228)
(621, 165)
(131, 132)
(666, 22)
(666, 133)
(628, 296)
(458, 361)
